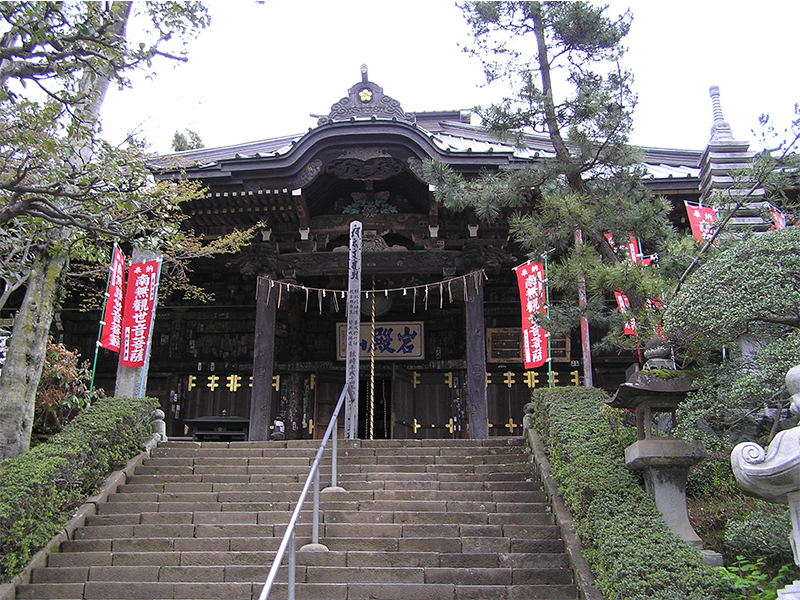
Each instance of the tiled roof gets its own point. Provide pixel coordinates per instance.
(452, 135)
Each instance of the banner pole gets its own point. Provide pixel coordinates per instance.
(547, 313)
(150, 336)
(102, 314)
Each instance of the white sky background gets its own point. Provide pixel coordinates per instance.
(259, 70)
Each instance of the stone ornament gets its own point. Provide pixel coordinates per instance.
(774, 474)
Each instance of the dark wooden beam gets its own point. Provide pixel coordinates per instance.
(334, 225)
(311, 264)
(477, 400)
(263, 359)
(301, 208)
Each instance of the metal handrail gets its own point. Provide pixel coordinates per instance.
(313, 474)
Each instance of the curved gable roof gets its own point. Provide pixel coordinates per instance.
(367, 118)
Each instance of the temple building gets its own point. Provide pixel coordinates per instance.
(270, 346)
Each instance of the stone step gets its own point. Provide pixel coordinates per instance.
(350, 483)
(420, 591)
(434, 575)
(221, 541)
(338, 503)
(173, 480)
(462, 512)
(168, 466)
(532, 529)
(113, 590)
(518, 492)
(355, 558)
(233, 501)
(306, 574)
(359, 558)
(305, 591)
(421, 462)
(422, 519)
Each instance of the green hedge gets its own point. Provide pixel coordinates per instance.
(632, 553)
(40, 490)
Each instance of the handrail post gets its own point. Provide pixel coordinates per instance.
(334, 436)
(315, 522)
(291, 576)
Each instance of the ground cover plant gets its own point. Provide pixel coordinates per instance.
(40, 490)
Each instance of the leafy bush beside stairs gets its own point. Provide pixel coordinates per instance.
(39, 490)
(632, 553)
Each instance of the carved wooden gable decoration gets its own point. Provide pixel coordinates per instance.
(366, 99)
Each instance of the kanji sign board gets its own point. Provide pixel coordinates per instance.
(402, 340)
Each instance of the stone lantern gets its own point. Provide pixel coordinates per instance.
(774, 475)
(654, 394)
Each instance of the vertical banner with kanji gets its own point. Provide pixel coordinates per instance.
(702, 220)
(140, 300)
(531, 282)
(634, 250)
(111, 333)
(624, 306)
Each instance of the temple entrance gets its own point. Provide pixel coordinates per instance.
(328, 387)
(423, 404)
(408, 404)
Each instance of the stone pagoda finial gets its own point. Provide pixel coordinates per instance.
(720, 130)
(723, 158)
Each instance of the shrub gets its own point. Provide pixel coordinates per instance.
(761, 535)
(39, 490)
(712, 477)
(63, 390)
(633, 554)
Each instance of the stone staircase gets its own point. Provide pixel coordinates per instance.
(421, 519)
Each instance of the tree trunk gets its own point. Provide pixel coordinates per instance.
(25, 357)
(26, 353)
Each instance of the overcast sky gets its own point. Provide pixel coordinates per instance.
(261, 69)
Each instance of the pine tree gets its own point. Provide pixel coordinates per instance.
(562, 61)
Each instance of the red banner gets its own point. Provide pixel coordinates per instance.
(634, 253)
(702, 219)
(140, 300)
(624, 306)
(111, 335)
(530, 279)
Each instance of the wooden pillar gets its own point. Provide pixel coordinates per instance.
(263, 359)
(477, 399)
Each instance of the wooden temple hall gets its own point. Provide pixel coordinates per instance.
(447, 313)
